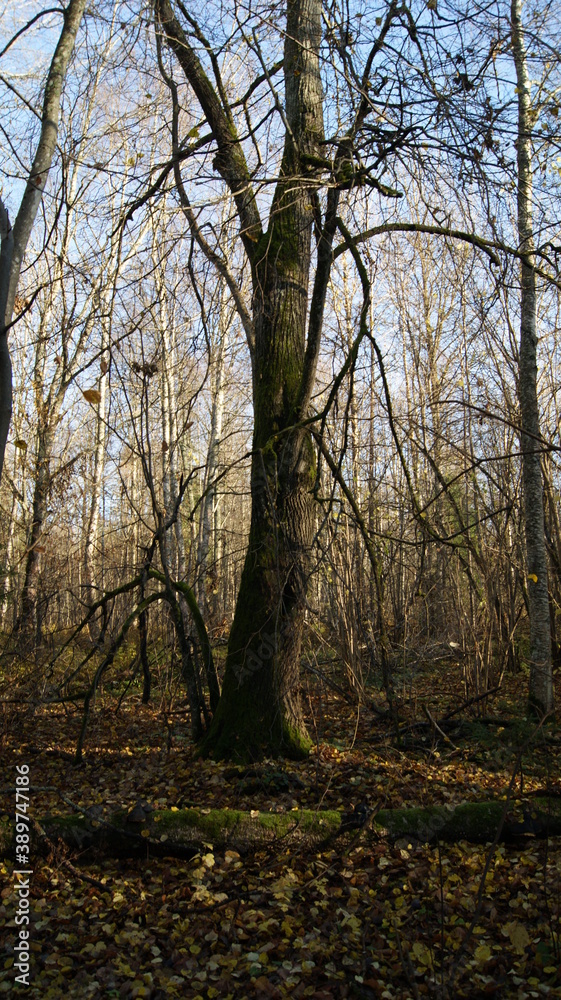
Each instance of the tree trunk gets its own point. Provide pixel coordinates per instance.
(91, 559)
(29, 620)
(92, 584)
(11, 260)
(541, 675)
(210, 504)
(188, 831)
(6, 257)
(260, 709)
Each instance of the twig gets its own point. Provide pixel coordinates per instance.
(472, 701)
(64, 862)
(435, 726)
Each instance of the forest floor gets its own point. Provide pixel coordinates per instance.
(363, 918)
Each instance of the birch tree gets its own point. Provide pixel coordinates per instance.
(14, 242)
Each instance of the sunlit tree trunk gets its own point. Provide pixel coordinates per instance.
(12, 255)
(541, 676)
(210, 514)
(260, 705)
(30, 618)
(91, 561)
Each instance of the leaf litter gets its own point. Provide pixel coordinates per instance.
(362, 917)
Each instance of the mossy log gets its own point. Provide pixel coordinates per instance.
(184, 833)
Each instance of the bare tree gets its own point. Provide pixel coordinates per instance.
(541, 673)
(14, 243)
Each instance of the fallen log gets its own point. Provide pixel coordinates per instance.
(187, 832)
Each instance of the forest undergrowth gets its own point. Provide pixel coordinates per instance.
(360, 917)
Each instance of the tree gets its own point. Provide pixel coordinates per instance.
(260, 706)
(541, 673)
(14, 243)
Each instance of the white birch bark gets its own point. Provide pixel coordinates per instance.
(209, 532)
(12, 256)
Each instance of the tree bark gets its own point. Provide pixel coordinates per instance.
(210, 506)
(259, 710)
(29, 620)
(91, 556)
(541, 674)
(10, 263)
(185, 832)
(6, 257)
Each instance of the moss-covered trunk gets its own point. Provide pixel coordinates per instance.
(260, 711)
(183, 833)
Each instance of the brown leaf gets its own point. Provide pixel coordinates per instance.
(92, 395)
(20, 305)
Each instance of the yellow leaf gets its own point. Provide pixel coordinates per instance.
(532, 577)
(422, 954)
(482, 954)
(92, 395)
(518, 935)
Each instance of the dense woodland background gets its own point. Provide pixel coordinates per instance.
(132, 396)
(280, 535)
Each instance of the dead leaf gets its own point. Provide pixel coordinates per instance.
(518, 936)
(92, 395)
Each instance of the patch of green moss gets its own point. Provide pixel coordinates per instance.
(210, 824)
(473, 821)
(217, 823)
(279, 822)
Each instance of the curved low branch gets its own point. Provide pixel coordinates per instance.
(487, 246)
(230, 161)
(206, 650)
